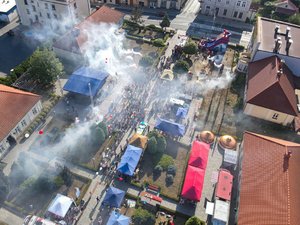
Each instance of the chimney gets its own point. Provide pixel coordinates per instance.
(278, 44)
(287, 32)
(276, 31)
(288, 154)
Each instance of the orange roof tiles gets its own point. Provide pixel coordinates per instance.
(270, 181)
(14, 105)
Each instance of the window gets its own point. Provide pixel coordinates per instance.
(33, 8)
(275, 116)
(36, 18)
(48, 16)
(227, 2)
(238, 3)
(25, 2)
(46, 5)
(235, 14)
(40, 14)
(28, 12)
(207, 7)
(34, 111)
(240, 15)
(17, 130)
(75, 5)
(224, 12)
(55, 16)
(23, 123)
(53, 7)
(244, 4)
(217, 11)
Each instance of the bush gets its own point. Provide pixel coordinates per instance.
(142, 216)
(190, 48)
(146, 61)
(154, 28)
(28, 183)
(169, 179)
(166, 161)
(58, 181)
(171, 170)
(181, 67)
(159, 42)
(161, 144)
(158, 169)
(193, 221)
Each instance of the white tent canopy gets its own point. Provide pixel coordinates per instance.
(60, 205)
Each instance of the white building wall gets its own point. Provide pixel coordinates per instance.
(268, 114)
(231, 9)
(50, 11)
(21, 126)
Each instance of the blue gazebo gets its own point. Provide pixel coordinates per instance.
(113, 197)
(169, 127)
(130, 160)
(118, 219)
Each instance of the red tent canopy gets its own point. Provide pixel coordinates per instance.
(224, 185)
(199, 154)
(193, 183)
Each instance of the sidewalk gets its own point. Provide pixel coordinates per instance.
(13, 24)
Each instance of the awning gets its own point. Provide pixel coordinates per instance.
(130, 160)
(118, 219)
(139, 141)
(113, 197)
(169, 127)
(224, 185)
(199, 154)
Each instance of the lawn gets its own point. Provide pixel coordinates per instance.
(179, 153)
(31, 201)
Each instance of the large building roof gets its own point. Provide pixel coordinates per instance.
(14, 105)
(266, 38)
(268, 89)
(74, 40)
(270, 181)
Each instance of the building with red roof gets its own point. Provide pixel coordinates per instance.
(224, 185)
(269, 181)
(18, 110)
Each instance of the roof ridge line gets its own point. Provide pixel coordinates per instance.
(288, 193)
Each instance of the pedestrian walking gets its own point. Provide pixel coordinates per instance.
(98, 200)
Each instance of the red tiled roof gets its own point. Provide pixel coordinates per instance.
(14, 105)
(267, 89)
(286, 7)
(269, 189)
(103, 15)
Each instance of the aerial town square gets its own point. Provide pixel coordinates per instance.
(149, 112)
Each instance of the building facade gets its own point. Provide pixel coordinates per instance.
(165, 4)
(8, 11)
(231, 9)
(51, 11)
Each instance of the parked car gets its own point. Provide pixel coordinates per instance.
(142, 128)
(35, 220)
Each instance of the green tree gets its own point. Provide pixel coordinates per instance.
(295, 19)
(45, 67)
(97, 135)
(4, 186)
(166, 161)
(146, 61)
(193, 221)
(159, 42)
(152, 145)
(190, 48)
(136, 15)
(181, 67)
(103, 127)
(161, 143)
(142, 216)
(165, 22)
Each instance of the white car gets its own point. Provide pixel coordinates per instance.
(141, 129)
(35, 220)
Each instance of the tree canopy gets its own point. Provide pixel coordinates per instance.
(4, 186)
(136, 15)
(142, 216)
(193, 221)
(146, 61)
(45, 67)
(165, 21)
(152, 145)
(190, 48)
(181, 66)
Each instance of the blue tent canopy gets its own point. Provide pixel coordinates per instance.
(118, 219)
(80, 80)
(181, 112)
(171, 128)
(113, 197)
(130, 160)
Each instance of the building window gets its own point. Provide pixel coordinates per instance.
(238, 3)
(53, 7)
(23, 123)
(36, 18)
(17, 130)
(28, 12)
(235, 14)
(34, 111)
(25, 2)
(275, 116)
(48, 16)
(33, 8)
(227, 2)
(55, 16)
(75, 5)
(224, 12)
(244, 4)
(240, 15)
(46, 5)
(40, 14)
